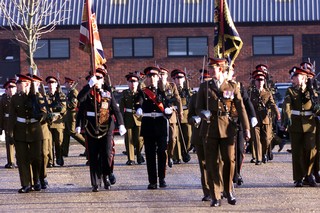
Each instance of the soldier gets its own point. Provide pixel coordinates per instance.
(264, 105)
(10, 89)
(26, 113)
(154, 127)
(196, 140)
(132, 122)
(70, 117)
(47, 137)
(184, 129)
(97, 106)
(173, 100)
(299, 117)
(215, 101)
(57, 110)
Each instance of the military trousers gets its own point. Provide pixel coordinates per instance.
(155, 148)
(29, 156)
(216, 148)
(45, 158)
(203, 168)
(261, 140)
(133, 141)
(100, 157)
(10, 151)
(57, 138)
(303, 146)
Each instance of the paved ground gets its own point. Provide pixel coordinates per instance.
(267, 188)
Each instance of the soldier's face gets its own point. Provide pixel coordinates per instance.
(153, 79)
(179, 81)
(23, 86)
(11, 91)
(133, 85)
(52, 86)
(216, 72)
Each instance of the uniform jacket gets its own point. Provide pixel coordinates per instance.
(4, 112)
(173, 99)
(195, 137)
(157, 126)
(185, 95)
(57, 105)
(87, 104)
(72, 101)
(22, 106)
(128, 102)
(221, 125)
(264, 105)
(296, 100)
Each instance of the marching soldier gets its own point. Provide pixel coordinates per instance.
(10, 89)
(56, 111)
(215, 101)
(173, 100)
(184, 129)
(132, 122)
(97, 105)
(26, 113)
(70, 117)
(299, 118)
(264, 105)
(47, 137)
(197, 140)
(154, 127)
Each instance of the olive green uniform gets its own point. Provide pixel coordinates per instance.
(132, 122)
(297, 106)
(70, 122)
(25, 130)
(4, 117)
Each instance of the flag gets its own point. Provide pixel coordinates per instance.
(89, 40)
(227, 42)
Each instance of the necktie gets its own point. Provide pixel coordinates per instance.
(97, 95)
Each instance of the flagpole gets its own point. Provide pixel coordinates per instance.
(92, 62)
(221, 26)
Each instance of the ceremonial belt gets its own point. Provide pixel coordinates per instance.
(302, 113)
(27, 121)
(153, 114)
(6, 115)
(153, 97)
(91, 114)
(128, 110)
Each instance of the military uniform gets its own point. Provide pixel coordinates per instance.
(221, 99)
(70, 119)
(172, 98)
(299, 117)
(132, 122)
(154, 129)
(4, 117)
(99, 129)
(25, 129)
(264, 105)
(57, 110)
(185, 129)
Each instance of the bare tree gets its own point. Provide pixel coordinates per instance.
(28, 20)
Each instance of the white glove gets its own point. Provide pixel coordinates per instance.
(168, 111)
(205, 114)
(93, 80)
(122, 130)
(139, 112)
(254, 121)
(78, 129)
(197, 120)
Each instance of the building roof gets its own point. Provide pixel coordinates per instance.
(141, 12)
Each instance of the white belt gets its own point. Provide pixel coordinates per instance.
(184, 107)
(302, 113)
(129, 110)
(27, 121)
(6, 115)
(91, 114)
(153, 114)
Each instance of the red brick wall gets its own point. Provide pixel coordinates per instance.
(78, 64)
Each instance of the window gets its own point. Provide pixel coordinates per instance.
(132, 47)
(187, 46)
(273, 45)
(52, 49)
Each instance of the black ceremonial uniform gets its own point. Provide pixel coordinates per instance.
(100, 144)
(155, 132)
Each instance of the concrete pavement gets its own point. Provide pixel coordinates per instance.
(267, 188)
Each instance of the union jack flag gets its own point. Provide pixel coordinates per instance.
(89, 40)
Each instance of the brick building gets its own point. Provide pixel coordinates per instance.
(175, 34)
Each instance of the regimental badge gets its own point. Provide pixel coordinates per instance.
(228, 94)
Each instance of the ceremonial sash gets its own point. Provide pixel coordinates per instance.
(153, 97)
